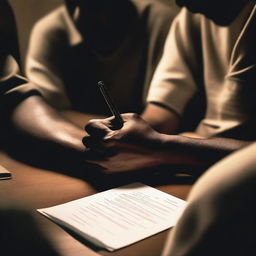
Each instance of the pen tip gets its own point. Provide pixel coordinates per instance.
(100, 83)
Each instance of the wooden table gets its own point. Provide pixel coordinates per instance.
(33, 188)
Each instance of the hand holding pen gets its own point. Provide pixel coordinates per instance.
(116, 123)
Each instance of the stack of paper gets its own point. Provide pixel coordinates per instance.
(118, 217)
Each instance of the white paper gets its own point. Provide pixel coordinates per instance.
(119, 217)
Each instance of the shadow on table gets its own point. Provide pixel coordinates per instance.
(20, 234)
(58, 159)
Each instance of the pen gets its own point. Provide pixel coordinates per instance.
(118, 124)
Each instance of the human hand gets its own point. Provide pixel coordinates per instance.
(132, 147)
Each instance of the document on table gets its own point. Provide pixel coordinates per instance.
(118, 217)
(4, 174)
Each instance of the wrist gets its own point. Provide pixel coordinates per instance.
(71, 137)
(178, 150)
(162, 150)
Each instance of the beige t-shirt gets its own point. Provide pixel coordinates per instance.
(222, 58)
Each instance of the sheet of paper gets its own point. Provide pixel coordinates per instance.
(121, 216)
(4, 174)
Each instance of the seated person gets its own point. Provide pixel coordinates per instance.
(216, 46)
(19, 233)
(22, 106)
(219, 218)
(84, 41)
(209, 56)
(220, 215)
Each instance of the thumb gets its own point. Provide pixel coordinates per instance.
(97, 128)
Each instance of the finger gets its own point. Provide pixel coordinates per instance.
(98, 146)
(111, 122)
(92, 142)
(97, 128)
(114, 123)
(97, 163)
(93, 156)
(87, 141)
(130, 116)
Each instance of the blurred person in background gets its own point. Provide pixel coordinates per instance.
(219, 218)
(25, 116)
(84, 41)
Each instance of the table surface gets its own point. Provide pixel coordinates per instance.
(33, 187)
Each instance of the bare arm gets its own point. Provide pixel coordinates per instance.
(195, 152)
(161, 119)
(37, 119)
(138, 146)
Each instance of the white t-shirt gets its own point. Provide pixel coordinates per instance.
(222, 58)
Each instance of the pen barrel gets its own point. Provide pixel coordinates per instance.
(118, 121)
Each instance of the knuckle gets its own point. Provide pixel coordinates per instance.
(134, 116)
(92, 121)
(90, 124)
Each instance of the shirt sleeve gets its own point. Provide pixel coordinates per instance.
(174, 81)
(13, 87)
(159, 20)
(9, 73)
(10, 77)
(43, 62)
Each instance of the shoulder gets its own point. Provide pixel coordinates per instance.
(51, 25)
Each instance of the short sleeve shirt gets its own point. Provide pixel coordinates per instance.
(66, 70)
(221, 58)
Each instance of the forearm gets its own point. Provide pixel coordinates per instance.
(161, 119)
(196, 153)
(38, 120)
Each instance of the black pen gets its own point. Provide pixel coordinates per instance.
(118, 124)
